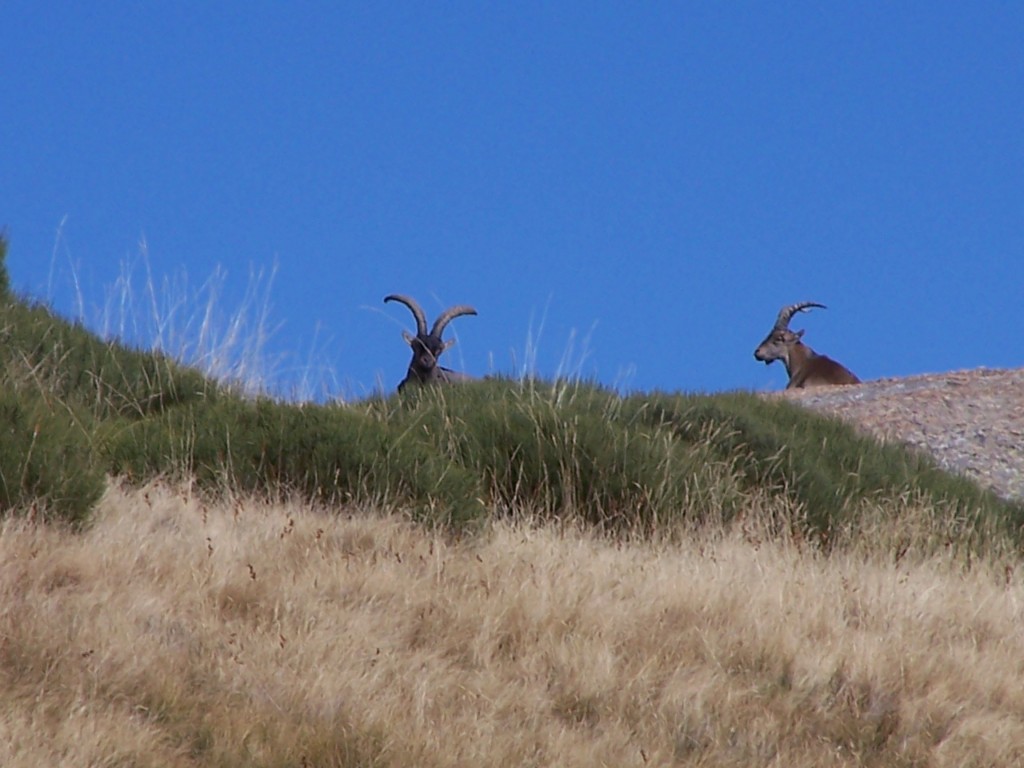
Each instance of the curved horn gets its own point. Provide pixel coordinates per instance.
(421, 321)
(448, 315)
(782, 322)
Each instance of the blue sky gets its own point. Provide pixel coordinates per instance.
(624, 191)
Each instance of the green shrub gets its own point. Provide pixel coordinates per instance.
(58, 384)
(568, 450)
(332, 453)
(574, 450)
(71, 364)
(75, 407)
(46, 458)
(822, 463)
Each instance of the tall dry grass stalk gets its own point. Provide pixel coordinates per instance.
(180, 633)
(203, 325)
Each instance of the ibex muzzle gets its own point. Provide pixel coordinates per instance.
(806, 368)
(428, 346)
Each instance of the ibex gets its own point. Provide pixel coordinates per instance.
(427, 347)
(806, 368)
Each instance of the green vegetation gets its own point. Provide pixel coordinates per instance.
(46, 458)
(60, 386)
(76, 409)
(823, 464)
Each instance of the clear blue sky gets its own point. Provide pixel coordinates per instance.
(626, 191)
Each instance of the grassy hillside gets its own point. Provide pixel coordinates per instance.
(79, 409)
(658, 579)
(176, 633)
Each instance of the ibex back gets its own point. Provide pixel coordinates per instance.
(806, 368)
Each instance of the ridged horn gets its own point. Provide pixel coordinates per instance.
(421, 320)
(448, 315)
(782, 322)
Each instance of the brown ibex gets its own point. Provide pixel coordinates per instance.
(427, 347)
(806, 368)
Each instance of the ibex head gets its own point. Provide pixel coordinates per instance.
(427, 347)
(806, 368)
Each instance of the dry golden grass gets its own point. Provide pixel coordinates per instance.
(176, 633)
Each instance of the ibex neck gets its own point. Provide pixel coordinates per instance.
(797, 358)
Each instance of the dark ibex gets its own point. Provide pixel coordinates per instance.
(427, 347)
(806, 368)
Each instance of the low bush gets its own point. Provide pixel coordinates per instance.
(331, 453)
(71, 364)
(821, 462)
(46, 459)
(77, 407)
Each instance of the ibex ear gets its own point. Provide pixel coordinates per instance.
(409, 338)
(448, 344)
(800, 333)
